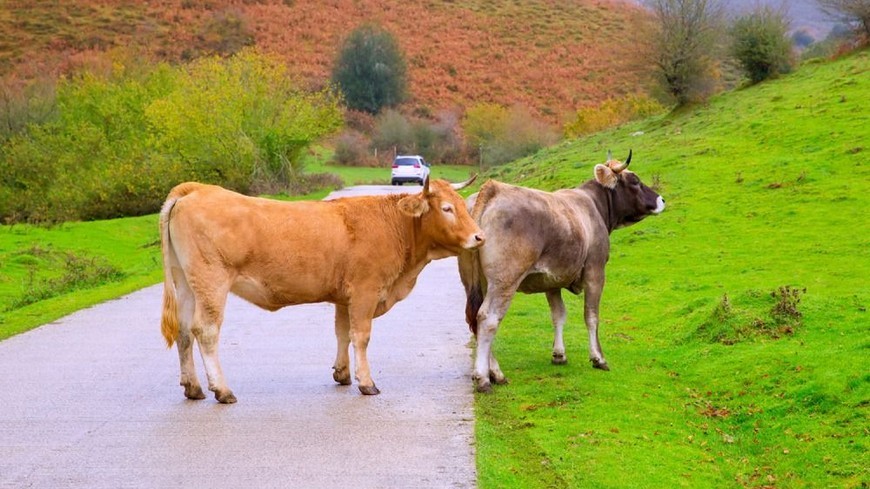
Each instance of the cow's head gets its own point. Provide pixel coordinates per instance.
(632, 200)
(444, 217)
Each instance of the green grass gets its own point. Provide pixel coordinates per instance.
(71, 266)
(766, 187)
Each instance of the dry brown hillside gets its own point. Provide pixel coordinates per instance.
(550, 55)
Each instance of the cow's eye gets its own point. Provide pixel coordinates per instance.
(447, 208)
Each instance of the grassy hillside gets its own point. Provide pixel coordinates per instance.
(721, 377)
(458, 52)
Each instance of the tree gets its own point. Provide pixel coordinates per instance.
(761, 44)
(685, 45)
(850, 11)
(370, 70)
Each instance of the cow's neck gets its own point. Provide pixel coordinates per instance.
(603, 198)
(415, 259)
(419, 246)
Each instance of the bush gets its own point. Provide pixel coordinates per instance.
(684, 47)
(393, 133)
(761, 44)
(224, 33)
(351, 149)
(497, 134)
(370, 70)
(611, 112)
(854, 12)
(25, 102)
(121, 141)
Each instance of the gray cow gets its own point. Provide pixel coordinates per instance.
(545, 242)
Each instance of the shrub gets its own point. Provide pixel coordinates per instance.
(761, 44)
(351, 149)
(370, 70)
(498, 134)
(612, 112)
(393, 133)
(685, 44)
(224, 33)
(240, 120)
(855, 12)
(25, 102)
(121, 141)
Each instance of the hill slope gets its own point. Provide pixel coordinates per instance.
(551, 56)
(713, 384)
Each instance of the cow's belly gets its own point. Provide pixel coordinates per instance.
(275, 296)
(542, 282)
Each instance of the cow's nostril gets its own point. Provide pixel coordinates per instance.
(478, 237)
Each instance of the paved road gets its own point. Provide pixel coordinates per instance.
(92, 401)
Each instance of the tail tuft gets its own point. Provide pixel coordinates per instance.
(474, 298)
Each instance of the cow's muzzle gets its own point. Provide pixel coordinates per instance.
(475, 241)
(660, 205)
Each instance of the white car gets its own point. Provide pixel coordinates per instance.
(409, 168)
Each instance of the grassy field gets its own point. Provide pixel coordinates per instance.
(735, 323)
(46, 273)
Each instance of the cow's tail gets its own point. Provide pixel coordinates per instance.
(169, 319)
(472, 277)
(470, 269)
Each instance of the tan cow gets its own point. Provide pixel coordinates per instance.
(362, 254)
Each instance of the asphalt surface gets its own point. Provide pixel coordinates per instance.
(92, 400)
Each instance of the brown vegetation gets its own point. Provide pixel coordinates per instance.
(552, 57)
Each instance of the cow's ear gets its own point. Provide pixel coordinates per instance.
(605, 176)
(414, 205)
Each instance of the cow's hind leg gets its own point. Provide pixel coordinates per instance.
(207, 319)
(341, 368)
(558, 315)
(184, 342)
(592, 292)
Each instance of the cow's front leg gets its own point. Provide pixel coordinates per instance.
(558, 315)
(341, 368)
(496, 376)
(360, 313)
(592, 291)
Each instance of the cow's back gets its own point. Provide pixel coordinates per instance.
(272, 253)
(548, 237)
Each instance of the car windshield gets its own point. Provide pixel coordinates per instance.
(406, 161)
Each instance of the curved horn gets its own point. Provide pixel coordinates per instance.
(460, 186)
(623, 166)
(609, 155)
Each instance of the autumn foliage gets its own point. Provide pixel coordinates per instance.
(551, 57)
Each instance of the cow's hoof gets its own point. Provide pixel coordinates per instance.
(342, 376)
(599, 364)
(193, 392)
(369, 390)
(560, 359)
(484, 388)
(225, 397)
(499, 378)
